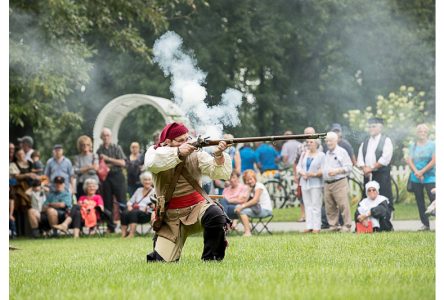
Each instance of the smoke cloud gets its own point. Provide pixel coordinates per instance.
(187, 82)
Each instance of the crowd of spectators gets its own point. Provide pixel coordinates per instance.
(53, 197)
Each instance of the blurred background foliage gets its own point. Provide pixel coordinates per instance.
(307, 63)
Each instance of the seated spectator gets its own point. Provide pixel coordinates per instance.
(374, 210)
(37, 165)
(89, 209)
(258, 204)
(139, 207)
(38, 197)
(12, 228)
(134, 165)
(56, 209)
(234, 193)
(86, 164)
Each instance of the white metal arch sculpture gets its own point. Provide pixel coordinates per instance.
(112, 115)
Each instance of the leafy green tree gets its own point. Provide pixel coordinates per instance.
(402, 111)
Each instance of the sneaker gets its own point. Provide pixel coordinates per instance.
(424, 228)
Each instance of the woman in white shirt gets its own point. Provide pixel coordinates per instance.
(258, 204)
(309, 169)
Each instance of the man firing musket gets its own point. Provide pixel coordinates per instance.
(183, 208)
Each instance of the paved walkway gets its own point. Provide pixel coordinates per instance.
(407, 225)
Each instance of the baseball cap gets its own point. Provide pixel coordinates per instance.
(59, 179)
(336, 127)
(57, 146)
(26, 139)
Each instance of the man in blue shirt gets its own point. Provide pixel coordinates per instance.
(266, 157)
(248, 157)
(59, 165)
(55, 211)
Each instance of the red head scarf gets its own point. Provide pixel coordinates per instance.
(171, 131)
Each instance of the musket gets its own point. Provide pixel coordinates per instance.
(206, 142)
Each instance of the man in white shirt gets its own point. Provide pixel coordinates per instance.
(374, 157)
(337, 166)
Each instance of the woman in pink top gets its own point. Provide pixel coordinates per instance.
(234, 193)
(89, 209)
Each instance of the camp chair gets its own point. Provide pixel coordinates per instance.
(260, 224)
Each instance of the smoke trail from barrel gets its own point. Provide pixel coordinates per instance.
(187, 82)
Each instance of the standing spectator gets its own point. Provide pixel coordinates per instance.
(21, 171)
(374, 209)
(258, 204)
(289, 151)
(26, 144)
(139, 207)
(421, 161)
(134, 167)
(59, 165)
(301, 149)
(336, 128)
(374, 157)
(56, 208)
(37, 165)
(86, 164)
(248, 158)
(337, 166)
(309, 169)
(11, 152)
(114, 185)
(266, 158)
(38, 197)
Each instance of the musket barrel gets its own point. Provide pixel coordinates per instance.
(208, 142)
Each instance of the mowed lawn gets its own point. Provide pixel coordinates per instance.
(396, 265)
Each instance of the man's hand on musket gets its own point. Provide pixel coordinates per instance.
(220, 148)
(186, 149)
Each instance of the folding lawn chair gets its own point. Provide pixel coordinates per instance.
(260, 224)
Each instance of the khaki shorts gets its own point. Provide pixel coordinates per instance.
(179, 224)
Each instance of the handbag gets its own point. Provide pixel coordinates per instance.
(360, 228)
(103, 170)
(409, 185)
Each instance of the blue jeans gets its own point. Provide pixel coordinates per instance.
(229, 208)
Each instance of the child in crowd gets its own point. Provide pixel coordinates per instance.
(37, 165)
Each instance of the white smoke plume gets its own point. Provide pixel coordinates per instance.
(187, 82)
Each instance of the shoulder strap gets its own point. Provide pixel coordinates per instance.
(201, 191)
(195, 185)
(170, 188)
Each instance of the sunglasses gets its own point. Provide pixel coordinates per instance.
(371, 190)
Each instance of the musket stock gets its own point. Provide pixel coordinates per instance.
(206, 142)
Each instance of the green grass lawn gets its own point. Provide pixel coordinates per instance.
(395, 265)
(402, 212)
